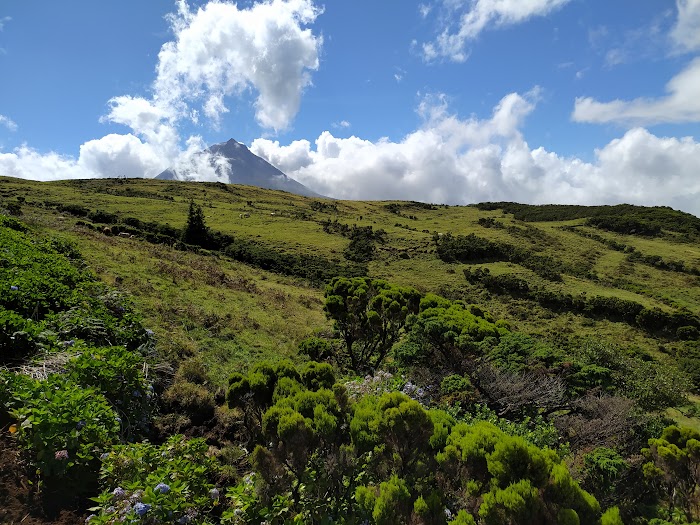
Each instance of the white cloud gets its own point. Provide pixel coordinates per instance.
(461, 161)
(682, 104)
(3, 21)
(686, 32)
(221, 50)
(218, 51)
(8, 123)
(26, 163)
(476, 16)
(342, 124)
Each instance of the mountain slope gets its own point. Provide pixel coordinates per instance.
(233, 163)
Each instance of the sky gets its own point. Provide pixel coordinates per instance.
(444, 101)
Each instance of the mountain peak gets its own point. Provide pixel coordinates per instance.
(234, 163)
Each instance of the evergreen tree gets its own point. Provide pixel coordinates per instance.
(195, 232)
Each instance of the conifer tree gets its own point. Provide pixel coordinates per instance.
(195, 232)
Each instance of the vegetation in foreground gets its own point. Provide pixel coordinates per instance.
(371, 399)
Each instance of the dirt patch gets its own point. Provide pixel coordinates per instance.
(19, 503)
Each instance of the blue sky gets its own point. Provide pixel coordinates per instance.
(447, 101)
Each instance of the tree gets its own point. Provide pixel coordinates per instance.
(195, 232)
(369, 314)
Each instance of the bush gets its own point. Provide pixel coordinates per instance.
(170, 483)
(193, 400)
(63, 427)
(117, 374)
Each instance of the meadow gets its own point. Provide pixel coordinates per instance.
(530, 328)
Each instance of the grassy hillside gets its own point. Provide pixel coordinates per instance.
(290, 224)
(574, 329)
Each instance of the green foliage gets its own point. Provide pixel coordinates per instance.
(447, 330)
(517, 352)
(35, 279)
(535, 430)
(611, 517)
(63, 427)
(193, 400)
(673, 463)
(472, 249)
(196, 232)
(117, 374)
(462, 518)
(657, 217)
(457, 389)
(396, 430)
(369, 314)
(602, 469)
(170, 483)
(523, 483)
(316, 269)
(316, 349)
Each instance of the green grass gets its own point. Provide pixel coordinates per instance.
(257, 314)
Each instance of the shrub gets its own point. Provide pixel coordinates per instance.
(63, 427)
(117, 374)
(193, 400)
(170, 483)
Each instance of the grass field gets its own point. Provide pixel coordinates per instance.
(227, 314)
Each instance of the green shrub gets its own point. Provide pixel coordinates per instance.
(196, 401)
(117, 374)
(63, 427)
(170, 483)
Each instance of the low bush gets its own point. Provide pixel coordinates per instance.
(146, 483)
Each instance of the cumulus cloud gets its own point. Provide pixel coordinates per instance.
(218, 51)
(461, 161)
(221, 50)
(8, 123)
(686, 32)
(682, 104)
(476, 16)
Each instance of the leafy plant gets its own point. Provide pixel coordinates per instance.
(146, 483)
(63, 427)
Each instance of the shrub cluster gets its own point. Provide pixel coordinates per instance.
(473, 249)
(653, 320)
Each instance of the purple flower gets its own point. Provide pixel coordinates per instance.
(119, 492)
(80, 425)
(61, 455)
(136, 393)
(184, 520)
(214, 493)
(14, 288)
(141, 508)
(104, 456)
(69, 343)
(162, 488)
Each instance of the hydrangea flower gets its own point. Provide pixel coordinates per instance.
(118, 492)
(61, 455)
(80, 425)
(141, 508)
(162, 488)
(183, 520)
(214, 493)
(14, 288)
(104, 456)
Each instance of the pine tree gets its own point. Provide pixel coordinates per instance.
(195, 232)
